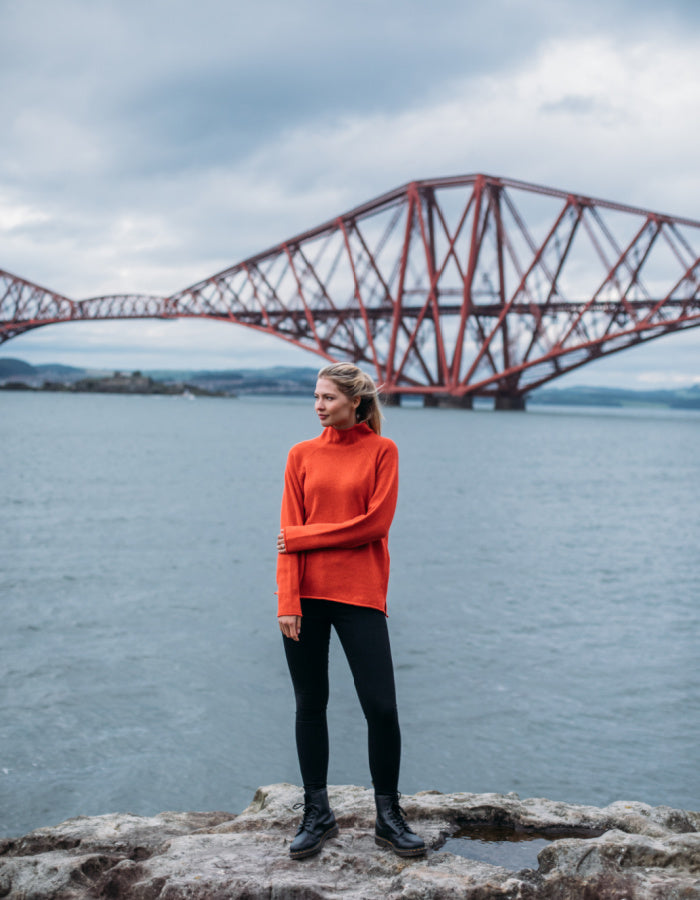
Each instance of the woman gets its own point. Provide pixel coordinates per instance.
(339, 498)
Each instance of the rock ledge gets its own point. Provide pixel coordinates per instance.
(625, 851)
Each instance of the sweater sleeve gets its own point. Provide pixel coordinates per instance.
(370, 526)
(289, 564)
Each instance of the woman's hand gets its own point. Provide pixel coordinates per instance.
(290, 626)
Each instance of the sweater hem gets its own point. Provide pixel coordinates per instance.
(382, 609)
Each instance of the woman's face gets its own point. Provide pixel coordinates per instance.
(332, 406)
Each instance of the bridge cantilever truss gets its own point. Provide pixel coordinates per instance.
(24, 306)
(448, 288)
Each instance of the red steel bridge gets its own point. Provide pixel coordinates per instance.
(448, 288)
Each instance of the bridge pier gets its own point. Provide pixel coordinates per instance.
(447, 401)
(509, 402)
(390, 399)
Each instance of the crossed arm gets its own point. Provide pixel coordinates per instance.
(296, 537)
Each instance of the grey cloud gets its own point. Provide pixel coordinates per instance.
(125, 110)
(586, 106)
(164, 87)
(174, 84)
(576, 104)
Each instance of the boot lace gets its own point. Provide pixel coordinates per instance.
(308, 816)
(397, 814)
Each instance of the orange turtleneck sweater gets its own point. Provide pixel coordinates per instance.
(339, 498)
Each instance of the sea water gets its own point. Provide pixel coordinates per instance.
(543, 605)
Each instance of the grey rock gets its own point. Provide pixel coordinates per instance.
(625, 850)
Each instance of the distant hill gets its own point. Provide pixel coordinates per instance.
(679, 398)
(58, 372)
(271, 380)
(34, 376)
(11, 368)
(301, 380)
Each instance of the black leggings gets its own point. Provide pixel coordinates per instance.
(365, 639)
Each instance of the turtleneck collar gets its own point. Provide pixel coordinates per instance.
(346, 435)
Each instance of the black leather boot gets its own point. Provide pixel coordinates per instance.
(391, 829)
(317, 825)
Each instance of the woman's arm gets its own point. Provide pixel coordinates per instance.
(370, 526)
(289, 564)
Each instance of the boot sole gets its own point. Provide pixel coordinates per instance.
(317, 847)
(387, 845)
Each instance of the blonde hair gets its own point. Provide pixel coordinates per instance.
(353, 382)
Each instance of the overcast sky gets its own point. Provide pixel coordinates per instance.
(150, 143)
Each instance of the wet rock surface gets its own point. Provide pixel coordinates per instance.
(625, 850)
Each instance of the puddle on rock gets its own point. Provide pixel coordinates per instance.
(513, 850)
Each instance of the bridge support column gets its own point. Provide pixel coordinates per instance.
(509, 402)
(447, 401)
(390, 399)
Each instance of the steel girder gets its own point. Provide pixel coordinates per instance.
(472, 285)
(24, 306)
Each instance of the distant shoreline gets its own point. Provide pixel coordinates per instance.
(116, 384)
(17, 375)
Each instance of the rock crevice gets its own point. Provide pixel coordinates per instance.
(627, 849)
